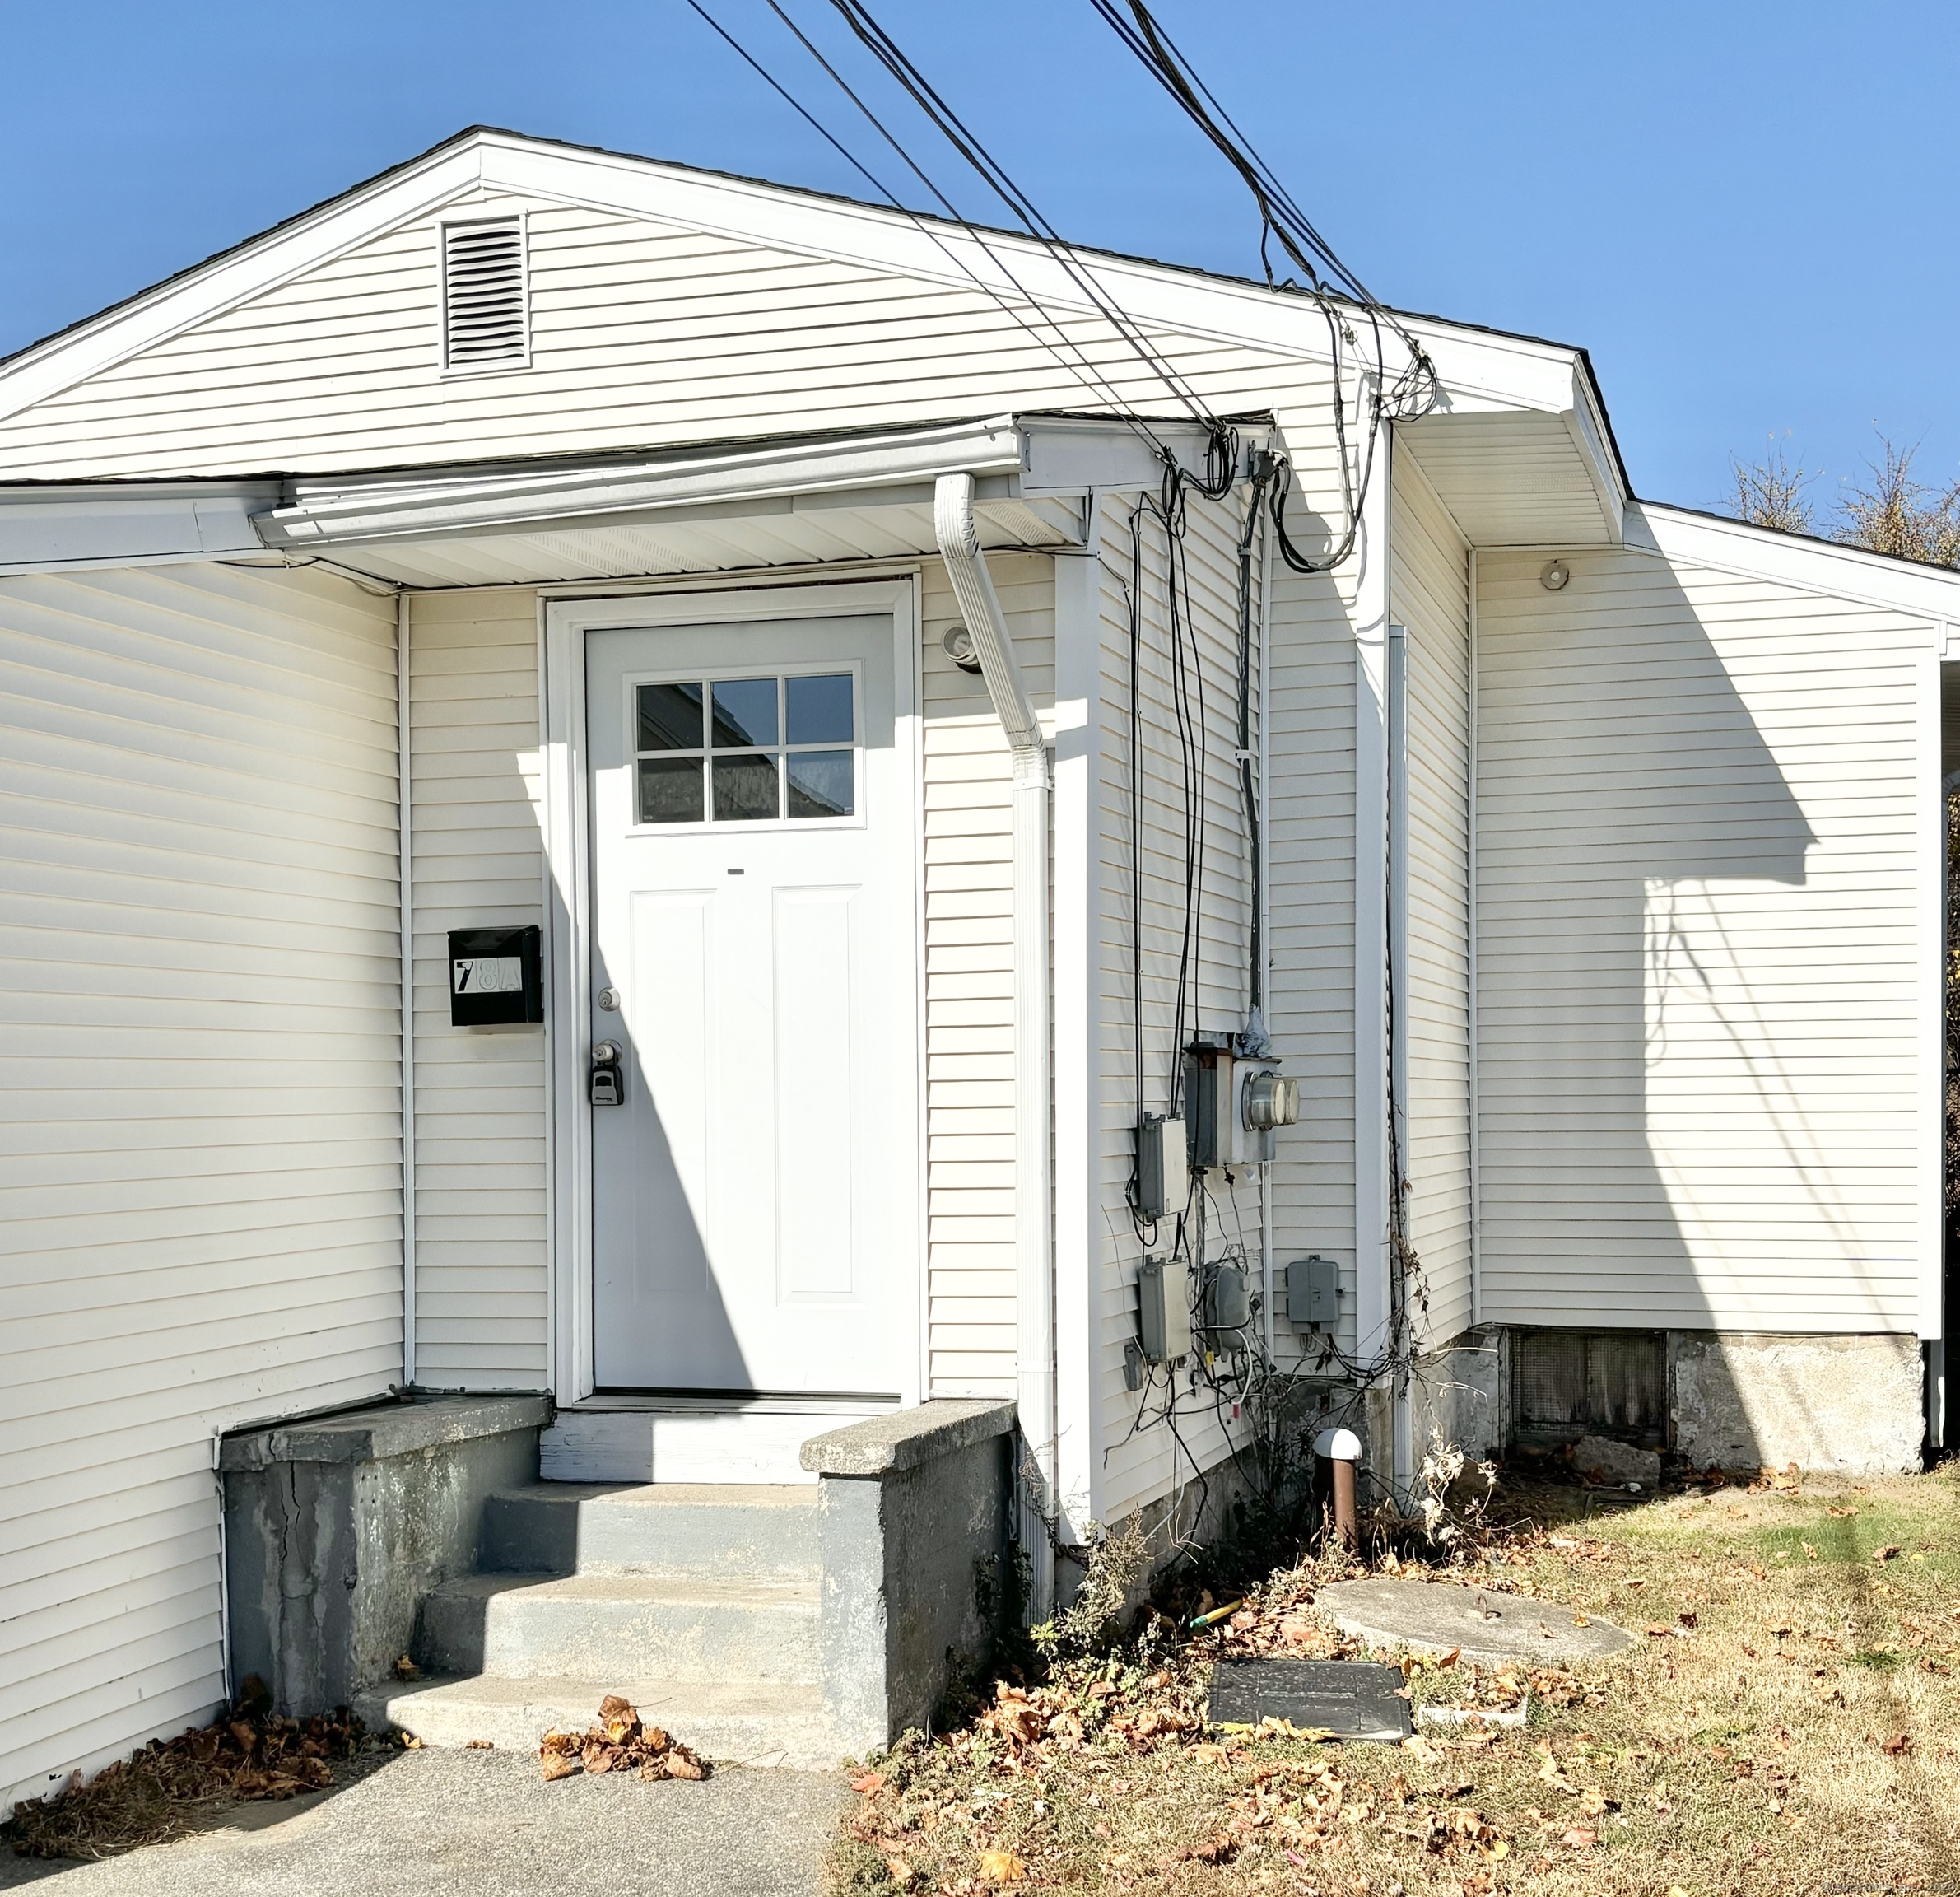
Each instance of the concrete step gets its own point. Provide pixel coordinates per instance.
(640, 1626)
(711, 1530)
(749, 1725)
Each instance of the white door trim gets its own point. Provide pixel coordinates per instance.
(566, 621)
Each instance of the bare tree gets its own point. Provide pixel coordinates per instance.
(1770, 492)
(1893, 514)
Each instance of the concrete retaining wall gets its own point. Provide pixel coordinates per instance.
(335, 1528)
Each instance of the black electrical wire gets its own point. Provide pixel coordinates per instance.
(1410, 392)
(889, 55)
(1081, 367)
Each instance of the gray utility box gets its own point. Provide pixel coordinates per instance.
(1313, 1293)
(1164, 1309)
(1227, 1306)
(1163, 1167)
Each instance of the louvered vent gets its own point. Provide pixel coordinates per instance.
(485, 322)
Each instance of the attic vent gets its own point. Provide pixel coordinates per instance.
(484, 318)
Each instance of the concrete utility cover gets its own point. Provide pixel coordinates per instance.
(1352, 1699)
(1431, 1617)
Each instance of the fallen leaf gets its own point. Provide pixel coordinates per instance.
(901, 1873)
(1581, 1837)
(1891, 1552)
(479, 1745)
(560, 1765)
(1001, 1868)
(1900, 1743)
(1689, 1618)
(1581, 1620)
(406, 1669)
(1656, 1631)
(1592, 1801)
(868, 1781)
(1810, 1553)
(1421, 1751)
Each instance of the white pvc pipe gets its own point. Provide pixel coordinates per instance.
(406, 904)
(1035, 1364)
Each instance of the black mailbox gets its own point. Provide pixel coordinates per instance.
(496, 976)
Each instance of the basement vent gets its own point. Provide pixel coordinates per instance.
(485, 322)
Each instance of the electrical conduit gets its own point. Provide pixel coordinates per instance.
(1035, 1366)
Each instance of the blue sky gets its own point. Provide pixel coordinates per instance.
(1743, 209)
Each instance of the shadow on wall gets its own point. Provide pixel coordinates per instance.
(1669, 1133)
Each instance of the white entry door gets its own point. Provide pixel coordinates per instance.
(753, 960)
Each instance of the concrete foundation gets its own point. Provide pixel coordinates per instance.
(337, 1527)
(1848, 1405)
(1736, 1401)
(912, 1525)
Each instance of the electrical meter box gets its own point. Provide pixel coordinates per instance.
(1236, 1103)
(1313, 1293)
(1164, 1309)
(496, 977)
(1163, 1167)
(1227, 1306)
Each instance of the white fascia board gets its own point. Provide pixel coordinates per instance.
(1478, 370)
(68, 529)
(1587, 427)
(1811, 566)
(310, 241)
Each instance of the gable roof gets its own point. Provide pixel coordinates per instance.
(1483, 368)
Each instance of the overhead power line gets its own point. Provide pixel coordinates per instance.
(1340, 295)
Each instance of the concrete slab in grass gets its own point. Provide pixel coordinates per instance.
(1432, 1617)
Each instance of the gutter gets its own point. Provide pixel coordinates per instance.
(1035, 1349)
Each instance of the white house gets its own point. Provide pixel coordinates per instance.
(539, 539)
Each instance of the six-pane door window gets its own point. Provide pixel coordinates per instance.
(746, 750)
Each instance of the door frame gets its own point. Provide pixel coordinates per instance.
(565, 622)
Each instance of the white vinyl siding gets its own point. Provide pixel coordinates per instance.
(969, 983)
(1698, 943)
(481, 1275)
(201, 1196)
(1430, 597)
(1141, 1467)
(638, 334)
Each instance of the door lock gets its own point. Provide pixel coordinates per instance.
(609, 1077)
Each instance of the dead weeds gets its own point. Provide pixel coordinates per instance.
(1789, 1723)
(178, 1786)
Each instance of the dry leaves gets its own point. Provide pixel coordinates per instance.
(249, 1754)
(619, 1742)
(1001, 1868)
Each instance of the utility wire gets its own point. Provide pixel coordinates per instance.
(893, 58)
(1413, 391)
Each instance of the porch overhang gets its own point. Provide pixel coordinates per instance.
(797, 501)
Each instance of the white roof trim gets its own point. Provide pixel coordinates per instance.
(69, 530)
(1812, 566)
(1477, 369)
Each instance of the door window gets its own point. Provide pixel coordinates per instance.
(746, 750)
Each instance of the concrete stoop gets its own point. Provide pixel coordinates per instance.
(698, 1603)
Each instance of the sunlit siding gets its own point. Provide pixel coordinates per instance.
(200, 1198)
(482, 1287)
(640, 333)
(969, 875)
(1698, 950)
(1430, 597)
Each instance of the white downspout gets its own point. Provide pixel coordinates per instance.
(406, 885)
(1034, 1328)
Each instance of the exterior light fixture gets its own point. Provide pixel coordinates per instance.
(959, 648)
(1555, 576)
